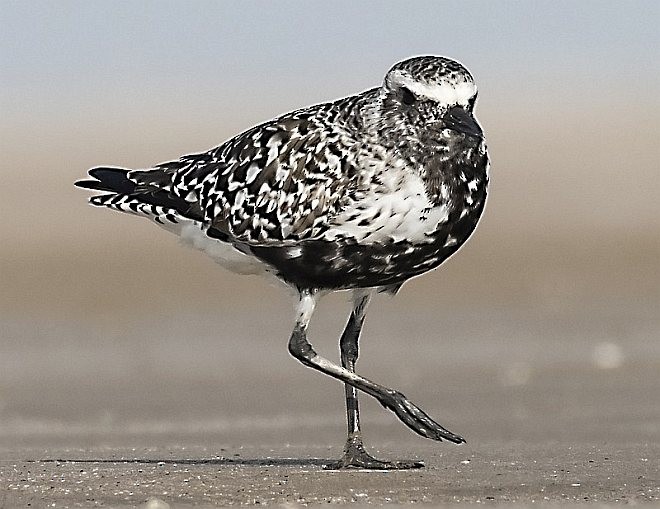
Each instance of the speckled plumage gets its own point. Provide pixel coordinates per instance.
(361, 193)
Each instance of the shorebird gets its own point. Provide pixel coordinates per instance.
(360, 194)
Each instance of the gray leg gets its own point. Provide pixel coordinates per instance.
(407, 412)
(348, 345)
(355, 455)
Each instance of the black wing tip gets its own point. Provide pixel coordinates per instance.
(89, 184)
(107, 179)
(104, 172)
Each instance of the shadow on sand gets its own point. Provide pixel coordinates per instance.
(220, 461)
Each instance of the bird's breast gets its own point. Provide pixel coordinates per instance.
(410, 199)
(393, 207)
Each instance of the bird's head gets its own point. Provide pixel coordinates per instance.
(430, 94)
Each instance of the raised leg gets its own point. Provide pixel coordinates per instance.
(412, 416)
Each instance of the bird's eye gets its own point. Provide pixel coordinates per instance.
(407, 97)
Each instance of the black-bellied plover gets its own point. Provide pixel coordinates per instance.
(361, 194)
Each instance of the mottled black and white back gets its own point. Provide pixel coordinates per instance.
(365, 191)
(362, 193)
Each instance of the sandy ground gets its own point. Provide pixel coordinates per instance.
(507, 473)
(555, 410)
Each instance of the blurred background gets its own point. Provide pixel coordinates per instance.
(546, 324)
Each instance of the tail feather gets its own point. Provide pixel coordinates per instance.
(128, 193)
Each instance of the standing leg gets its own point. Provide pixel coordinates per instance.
(406, 411)
(355, 456)
(349, 348)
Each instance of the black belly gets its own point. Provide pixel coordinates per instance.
(342, 265)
